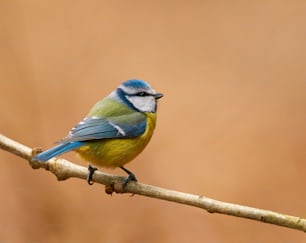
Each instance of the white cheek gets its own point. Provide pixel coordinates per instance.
(145, 104)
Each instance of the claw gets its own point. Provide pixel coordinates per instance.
(91, 171)
(131, 177)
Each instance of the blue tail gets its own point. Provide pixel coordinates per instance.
(57, 150)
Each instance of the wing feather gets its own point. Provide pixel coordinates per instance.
(94, 128)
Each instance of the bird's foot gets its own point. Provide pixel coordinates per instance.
(131, 177)
(91, 171)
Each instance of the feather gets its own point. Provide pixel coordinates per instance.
(57, 150)
(94, 128)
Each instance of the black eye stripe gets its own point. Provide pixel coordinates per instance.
(142, 94)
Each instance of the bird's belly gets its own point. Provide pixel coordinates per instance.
(111, 152)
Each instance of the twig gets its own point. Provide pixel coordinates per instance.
(64, 169)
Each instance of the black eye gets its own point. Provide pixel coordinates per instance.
(142, 94)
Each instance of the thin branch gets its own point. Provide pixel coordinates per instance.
(64, 169)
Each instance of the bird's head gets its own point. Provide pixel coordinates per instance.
(138, 95)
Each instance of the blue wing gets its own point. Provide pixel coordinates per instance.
(95, 128)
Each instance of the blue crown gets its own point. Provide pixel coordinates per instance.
(136, 84)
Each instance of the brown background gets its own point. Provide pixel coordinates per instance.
(231, 125)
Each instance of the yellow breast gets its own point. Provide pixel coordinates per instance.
(117, 152)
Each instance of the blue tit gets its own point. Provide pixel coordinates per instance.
(115, 131)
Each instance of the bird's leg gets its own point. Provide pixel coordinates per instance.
(91, 171)
(131, 176)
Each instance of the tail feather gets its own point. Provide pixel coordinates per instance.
(57, 150)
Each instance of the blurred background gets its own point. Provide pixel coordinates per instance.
(231, 125)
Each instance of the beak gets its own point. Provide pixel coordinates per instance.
(158, 95)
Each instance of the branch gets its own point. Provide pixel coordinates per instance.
(64, 169)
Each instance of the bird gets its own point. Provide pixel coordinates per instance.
(115, 131)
